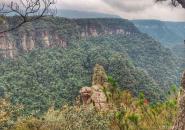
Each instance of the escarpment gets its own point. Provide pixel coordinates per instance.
(7, 46)
(27, 42)
(99, 27)
(11, 46)
(92, 31)
(51, 33)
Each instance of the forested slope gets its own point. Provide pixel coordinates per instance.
(168, 33)
(49, 73)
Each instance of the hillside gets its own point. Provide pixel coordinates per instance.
(58, 32)
(146, 54)
(101, 106)
(53, 59)
(177, 27)
(179, 50)
(168, 33)
(52, 76)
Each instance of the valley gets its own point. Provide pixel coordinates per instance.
(44, 65)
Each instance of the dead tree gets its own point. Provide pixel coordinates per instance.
(175, 2)
(26, 11)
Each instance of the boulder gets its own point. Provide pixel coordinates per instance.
(95, 94)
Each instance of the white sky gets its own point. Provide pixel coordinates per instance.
(129, 9)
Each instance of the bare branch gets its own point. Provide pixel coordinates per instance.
(175, 2)
(27, 11)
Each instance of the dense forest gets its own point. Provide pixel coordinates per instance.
(40, 79)
(168, 33)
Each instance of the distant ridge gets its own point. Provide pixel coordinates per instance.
(168, 33)
(83, 14)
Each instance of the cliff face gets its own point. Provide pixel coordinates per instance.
(59, 32)
(29, 41)
(7, 46)
(97, 27)
(94, 32)
(11, 46)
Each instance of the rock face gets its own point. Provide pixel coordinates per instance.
(93, 32)
(59, 32)
(95, 95)
(27, 42)
(7, 46)
(180, 122)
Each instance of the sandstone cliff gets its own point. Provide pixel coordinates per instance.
(58, 32)
(11, 46)
(7, 46)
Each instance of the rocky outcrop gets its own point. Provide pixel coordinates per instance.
(180, 122)
(11, 46)
(59, 32)
(94, 32)
(27, 42)
(95, 95)
(60, 42)
(7, 46)
(45, 39)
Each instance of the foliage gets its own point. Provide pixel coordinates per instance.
(8, 113)
(68, 118)
(4, 113)
(145, 53)
(54, 76)
(168, 33)
(1, 19)
(126, 112)
(132, 115)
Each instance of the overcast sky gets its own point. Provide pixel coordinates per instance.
(130, 9)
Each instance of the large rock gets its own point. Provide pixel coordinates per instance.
(95, 94)
(86, 93)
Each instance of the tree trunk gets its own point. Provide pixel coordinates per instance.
(180, 122)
